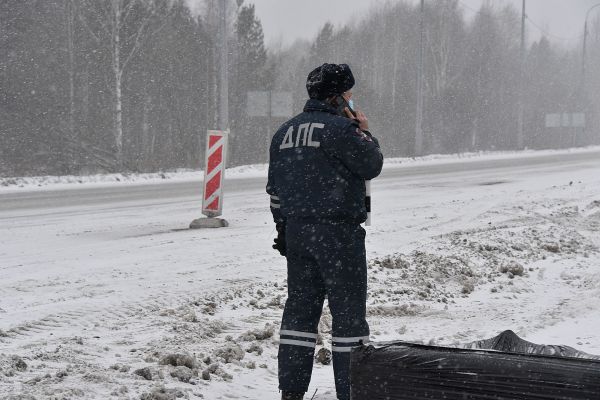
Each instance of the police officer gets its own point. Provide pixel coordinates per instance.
(319, 161)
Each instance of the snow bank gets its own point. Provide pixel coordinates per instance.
(50, 182)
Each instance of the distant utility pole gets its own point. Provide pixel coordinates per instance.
(585, 33)
(420, 73)
(520, 141)
(223, 68)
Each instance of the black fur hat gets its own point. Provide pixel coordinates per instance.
(329, 80)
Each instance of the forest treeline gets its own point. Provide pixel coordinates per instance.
(132, 85)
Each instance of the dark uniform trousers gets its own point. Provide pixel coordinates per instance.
(323, 260)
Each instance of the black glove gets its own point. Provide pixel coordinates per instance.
(279, 242)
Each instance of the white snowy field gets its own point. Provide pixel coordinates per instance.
(459, 250)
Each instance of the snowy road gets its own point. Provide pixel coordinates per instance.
(98, 282)
(41, 201)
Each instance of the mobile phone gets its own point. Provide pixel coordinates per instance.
(343, 103)
(351, 107)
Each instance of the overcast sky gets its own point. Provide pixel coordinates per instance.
(286, 20)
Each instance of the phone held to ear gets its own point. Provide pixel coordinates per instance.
(351, 107)
(343, 104)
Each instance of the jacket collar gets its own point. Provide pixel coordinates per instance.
(318, 105)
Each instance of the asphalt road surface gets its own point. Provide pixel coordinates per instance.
(30, 203)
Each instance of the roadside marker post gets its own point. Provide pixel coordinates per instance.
(214, 178)
(368, 202)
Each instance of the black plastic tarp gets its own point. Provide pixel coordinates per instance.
(509, 341)
(410, 371)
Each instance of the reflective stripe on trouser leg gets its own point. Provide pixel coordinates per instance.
(345, 344)
(298, 338)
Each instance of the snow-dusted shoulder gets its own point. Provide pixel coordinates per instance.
(121, 301)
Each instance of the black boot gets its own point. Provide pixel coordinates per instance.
(292, 396)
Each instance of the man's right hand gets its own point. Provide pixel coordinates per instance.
(361, 118)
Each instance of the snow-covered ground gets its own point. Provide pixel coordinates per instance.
(94, 299)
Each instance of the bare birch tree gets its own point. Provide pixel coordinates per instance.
(126, 36)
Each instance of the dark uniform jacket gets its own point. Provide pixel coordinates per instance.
(319, 162)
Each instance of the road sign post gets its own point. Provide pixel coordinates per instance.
(214, 177)
(269, 105)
